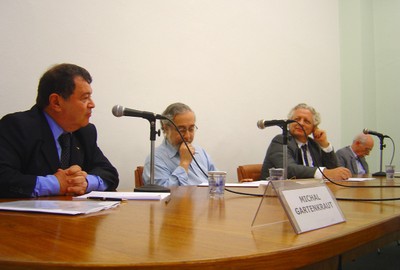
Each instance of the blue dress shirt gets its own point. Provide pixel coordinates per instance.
(48, 185)
(167, 171)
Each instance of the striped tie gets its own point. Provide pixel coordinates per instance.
(304, 149)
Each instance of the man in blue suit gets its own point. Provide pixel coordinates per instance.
(30, 146)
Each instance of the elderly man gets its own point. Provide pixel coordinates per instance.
(174, 165)
(353, 156)
(305, 154)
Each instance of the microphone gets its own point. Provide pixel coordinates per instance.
(119, 111)
(261, 124)
(367, 131)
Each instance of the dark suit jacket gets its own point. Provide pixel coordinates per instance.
(28, 150)
(274, 158)
(347, 159)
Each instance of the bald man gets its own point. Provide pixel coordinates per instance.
(353, 156)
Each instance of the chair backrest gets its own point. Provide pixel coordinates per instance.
(138, 176)
(252, 171)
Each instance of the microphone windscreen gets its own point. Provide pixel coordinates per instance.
(260, 124)
(118, 110)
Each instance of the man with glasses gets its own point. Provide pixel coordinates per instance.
(353, 156)
(174, 164)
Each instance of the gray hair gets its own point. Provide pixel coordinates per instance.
(361, 137)
(172, 110)
(316, 115)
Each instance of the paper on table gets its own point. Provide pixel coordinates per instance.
(58, 207)
(156, 196)
(244, 184)
(355, 179)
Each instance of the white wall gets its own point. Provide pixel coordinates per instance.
(387, 66)
(233, 61)
(370, 68)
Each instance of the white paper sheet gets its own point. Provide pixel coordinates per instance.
(58, 207)
(109, 195)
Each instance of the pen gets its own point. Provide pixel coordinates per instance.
(167, 200)
(105, 199)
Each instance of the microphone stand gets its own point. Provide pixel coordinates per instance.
(284, 149)
(380, 173)
(151, 187)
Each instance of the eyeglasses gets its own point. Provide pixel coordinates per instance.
(191, 129)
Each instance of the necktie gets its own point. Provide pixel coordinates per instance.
(360, 166)
(65, 143)
(305, 158)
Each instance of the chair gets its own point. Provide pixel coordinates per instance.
(138, 176)
(252, 171)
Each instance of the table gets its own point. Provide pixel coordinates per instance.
(191, 231)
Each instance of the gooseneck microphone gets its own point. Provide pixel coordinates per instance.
(367, 131)
(119, 111)
(382, 146)
(261, 124)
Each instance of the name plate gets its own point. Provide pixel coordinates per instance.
(309, 205)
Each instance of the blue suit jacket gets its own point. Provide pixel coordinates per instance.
(28, 150)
